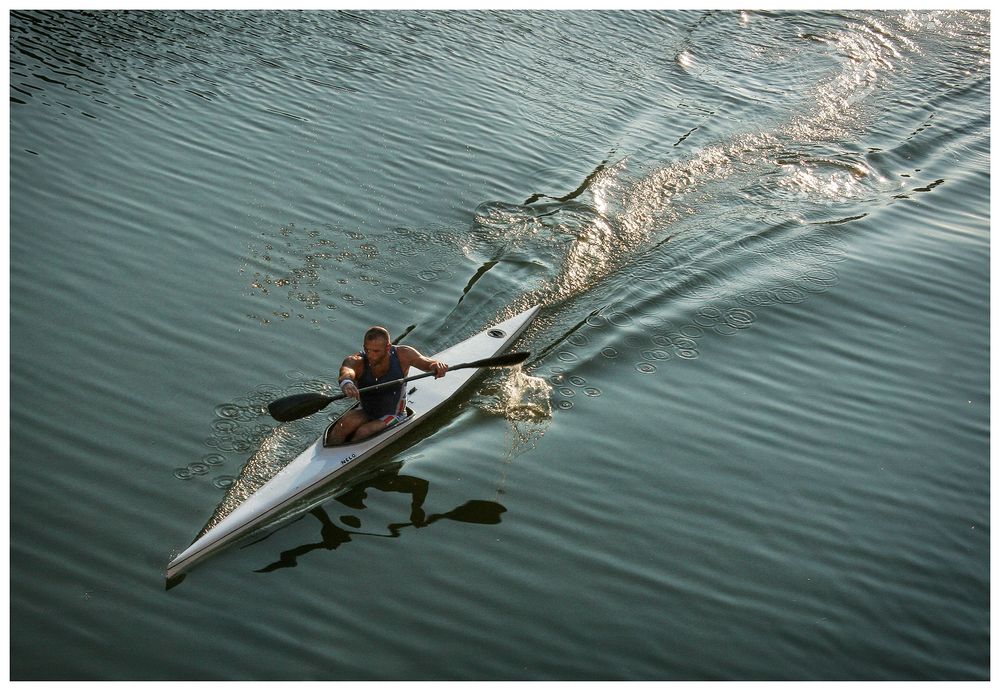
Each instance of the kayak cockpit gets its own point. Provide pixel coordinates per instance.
(349, 442)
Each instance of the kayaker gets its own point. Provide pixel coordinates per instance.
(378, 362)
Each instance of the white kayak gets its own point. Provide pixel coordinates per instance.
(319, 465)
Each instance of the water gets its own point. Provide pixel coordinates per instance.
(752, 441)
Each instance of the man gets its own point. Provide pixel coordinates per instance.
(380, 361)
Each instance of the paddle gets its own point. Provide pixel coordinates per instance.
(302, 405)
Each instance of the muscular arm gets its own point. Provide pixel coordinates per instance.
(411, 357)
(351, 369)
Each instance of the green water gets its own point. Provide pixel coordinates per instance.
(752, 443)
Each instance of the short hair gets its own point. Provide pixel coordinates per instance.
(377, 333)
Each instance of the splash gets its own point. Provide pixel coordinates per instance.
(525, 401)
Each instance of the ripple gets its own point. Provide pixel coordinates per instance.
(620, 319)
(224, 481)
(645, 367)
(740, 318)
(226, 424)
(609, 353)
(592, 391)
(567, 356)
(213, 459)
(228, 410)
(577, 381)
(692, 331)
(564, 405)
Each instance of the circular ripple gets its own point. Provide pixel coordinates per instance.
(789, 295)
(213, 459)
(198, 468)
(645, 367)
(724, 329)
(596, 320)
(567, 391)
(740, 318)
(557, 378)
(692, 331)
(182, 473)
(225, 425)
(609, 353)
(224, 481)
(228, 410)
(592, 391)
(567, 356)
(656, 354)
(578, 339)
(620, 319)
(688, 353)
(565, 405)
(577, 381)
(707, 316)
(818, 280)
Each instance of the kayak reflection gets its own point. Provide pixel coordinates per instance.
(333, 535)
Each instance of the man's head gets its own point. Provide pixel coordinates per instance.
(377, 344)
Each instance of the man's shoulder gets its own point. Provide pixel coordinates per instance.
(406, 352)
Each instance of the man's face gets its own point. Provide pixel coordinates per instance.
(377, 351)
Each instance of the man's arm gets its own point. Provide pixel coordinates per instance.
(411, 357)
(350, 370)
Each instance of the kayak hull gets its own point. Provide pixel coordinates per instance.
(319, 465)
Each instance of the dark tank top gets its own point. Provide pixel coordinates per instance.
(388, 401)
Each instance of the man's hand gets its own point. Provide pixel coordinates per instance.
(438, 368)
(350, 389)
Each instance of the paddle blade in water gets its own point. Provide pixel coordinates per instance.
(298, 406)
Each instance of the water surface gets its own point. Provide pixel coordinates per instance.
(753, 438)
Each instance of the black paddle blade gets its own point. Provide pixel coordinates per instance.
(298, 406)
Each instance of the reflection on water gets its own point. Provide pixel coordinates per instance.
(334, 535)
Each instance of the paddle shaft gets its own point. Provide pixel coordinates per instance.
(301, 405)
(394, 382)
(506, 360)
